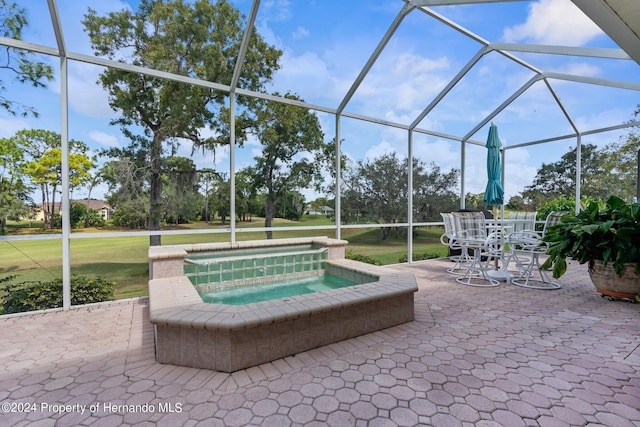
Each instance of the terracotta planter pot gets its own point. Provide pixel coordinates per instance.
(607, 282)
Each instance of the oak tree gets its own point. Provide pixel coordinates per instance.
(199, 39)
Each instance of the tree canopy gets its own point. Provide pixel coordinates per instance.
(621, 162)
(17, 61)
(42, 164)
(377, 191)
(293, 152)
(611, 170)
(14, 192)
(196, 39)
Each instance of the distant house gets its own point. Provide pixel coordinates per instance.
(105, 211)
(325, 210)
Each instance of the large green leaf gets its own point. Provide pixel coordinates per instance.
(560, 267)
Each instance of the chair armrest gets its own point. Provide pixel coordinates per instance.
(526, 241)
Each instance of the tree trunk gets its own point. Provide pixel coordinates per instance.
(155, 193)
(53, 206)
(269, 211)
(45, 206)
(86, 218)
(385, 233)
(206, 206)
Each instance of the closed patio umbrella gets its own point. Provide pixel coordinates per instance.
(494, 193)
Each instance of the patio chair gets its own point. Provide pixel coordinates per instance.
(529, 243)
(471, 235)
(522, 221)
(519, 222)
(448, 239)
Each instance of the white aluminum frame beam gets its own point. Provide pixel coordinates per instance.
(457, 2)
(406, 9)
(463, 72)
(237, 71)
(490, 46)
(591, 52)
(65, 203)
(502, 106)
(574, 135)
(473, 36)
(594, 81)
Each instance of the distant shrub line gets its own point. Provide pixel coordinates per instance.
(420, 256)
(403, 258)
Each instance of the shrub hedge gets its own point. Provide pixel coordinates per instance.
(362, 258)
(40, 295)
(420, 256)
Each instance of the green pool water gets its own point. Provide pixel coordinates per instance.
(264, 292)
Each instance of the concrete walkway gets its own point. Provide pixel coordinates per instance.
(504, 356)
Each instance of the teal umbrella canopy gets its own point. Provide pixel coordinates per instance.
(494, 193)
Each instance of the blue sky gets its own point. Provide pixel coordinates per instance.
(325, 44)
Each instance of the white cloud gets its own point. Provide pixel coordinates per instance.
(445, 154)
(276, 10)
(379, 150)
(579, 69)
(272, 11)
(518, 172)
(400, 81)
(297, 71)
(256, 152)
(104, 139)
(86, 96)
(554, 22)
(300, 33)
(8, 127)
(600, 119)
(219, 157)
(268, 35)
(72, 15)
(252, 140)
(403, 81)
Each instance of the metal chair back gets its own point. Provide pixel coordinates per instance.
(554, 218)
(449, 225)
(522, 221)
(470, 225)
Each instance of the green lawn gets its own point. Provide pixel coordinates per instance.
(124, 259)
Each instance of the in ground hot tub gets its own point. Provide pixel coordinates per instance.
(228, 337)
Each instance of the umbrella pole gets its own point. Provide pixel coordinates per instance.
(495, 210)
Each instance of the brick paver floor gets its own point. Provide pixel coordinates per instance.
(503, 356)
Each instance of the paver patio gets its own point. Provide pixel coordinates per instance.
(473, 356)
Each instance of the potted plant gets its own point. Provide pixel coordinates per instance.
(608, 239)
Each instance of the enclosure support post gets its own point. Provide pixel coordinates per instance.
(578, 172)
(336, 212)
(410, 197)
(232, 165)
(638, 180)
(66, 205)
(463, 150)
(502, 175)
